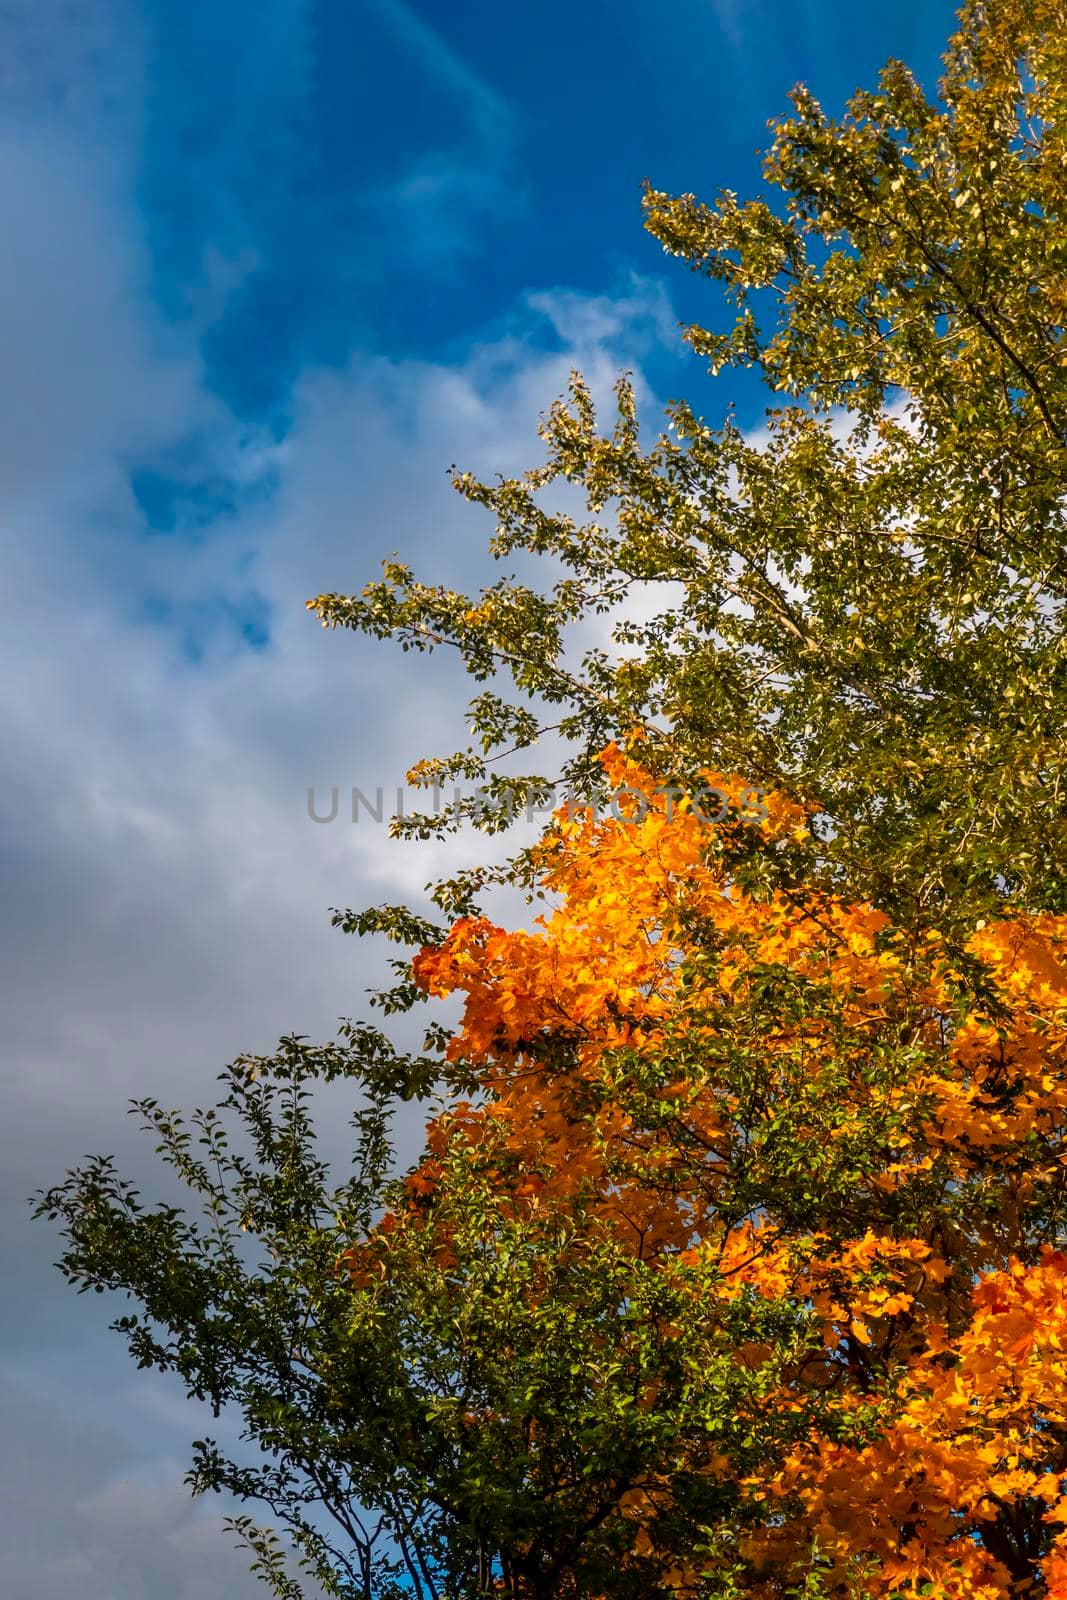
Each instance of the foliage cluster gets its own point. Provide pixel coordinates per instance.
(736, 1260)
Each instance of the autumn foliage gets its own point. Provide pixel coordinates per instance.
(785, 1097)
(734, 1264)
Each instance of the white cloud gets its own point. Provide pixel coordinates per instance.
(166, 894)
(638, 314)
(77, 1513)
(89, 378)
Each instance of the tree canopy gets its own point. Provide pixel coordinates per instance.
(736, 1259)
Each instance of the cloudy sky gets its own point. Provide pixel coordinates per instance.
(269, 266)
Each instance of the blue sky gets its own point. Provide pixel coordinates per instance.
(317, 181)
(268, 269)
(392, 178)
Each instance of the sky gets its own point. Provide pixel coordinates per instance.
(269, 267)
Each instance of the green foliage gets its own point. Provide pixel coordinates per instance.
(476, 1413)
(862, 607)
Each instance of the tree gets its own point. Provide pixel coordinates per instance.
(733, 1261)
(736, 1272)
(788, 1097)
(872, 596)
